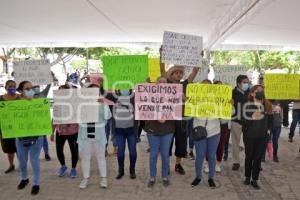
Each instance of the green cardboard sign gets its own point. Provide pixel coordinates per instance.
(25, 118)
(124, 72)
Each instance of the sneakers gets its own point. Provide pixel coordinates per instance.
(120, 175)
(191, 154)
(247, 181)
(35, 190)
(196, 182)
(211, 183)
(165, 182)
(255, 185)
(62, 171)
(84, 183)
(206, 168)
(103, 182)
(151, 182)
(73, 173)
(10, 169)
(235, 166)
(179, 169)
(218, 167)
(47, 157)
(23, 184)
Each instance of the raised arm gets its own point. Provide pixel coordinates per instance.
(193, 75)
(162, 65)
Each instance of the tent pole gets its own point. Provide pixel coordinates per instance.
(87, 60)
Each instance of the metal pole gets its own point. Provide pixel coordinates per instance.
(87, 60)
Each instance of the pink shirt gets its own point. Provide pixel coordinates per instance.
(67, 129)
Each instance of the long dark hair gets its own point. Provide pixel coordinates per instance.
(267, 104)
(21, 85)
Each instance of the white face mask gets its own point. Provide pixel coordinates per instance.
(245, 86)
(124, 92)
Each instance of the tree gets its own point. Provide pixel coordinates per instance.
(7, 54)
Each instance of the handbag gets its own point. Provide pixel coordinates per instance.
(199, 132)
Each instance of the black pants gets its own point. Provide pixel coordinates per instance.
(285, 109)
(180, 137)
(254, 150)
(60, 143)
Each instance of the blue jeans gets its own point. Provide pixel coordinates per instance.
(159, 144)
(275, 136)
(108, 131)
(189, 133)
(123, 134)
(207, 147)
(45, 145)
(34, 152)
(296, 119)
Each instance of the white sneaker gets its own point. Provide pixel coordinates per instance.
(103, 182)
(218, 167)
(84, 183)
(206, 169)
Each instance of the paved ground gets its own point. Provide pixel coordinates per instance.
(278, 180)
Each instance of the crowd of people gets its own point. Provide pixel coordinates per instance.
(255, 119)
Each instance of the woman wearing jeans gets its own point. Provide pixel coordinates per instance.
(160, 134)
(29, 146)
(207, 146)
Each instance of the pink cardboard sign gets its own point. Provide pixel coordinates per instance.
(158, 101)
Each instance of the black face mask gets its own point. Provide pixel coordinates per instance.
(259, 95)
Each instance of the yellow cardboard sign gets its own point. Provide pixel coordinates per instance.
(154, 69)
(208, 101)
(282, 86)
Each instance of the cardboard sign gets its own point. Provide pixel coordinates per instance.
(124, 72)
(25, 118)
(182, 49)
(208, 101)
(75, 106)
(36, 71)
(158, 102)
(282, 86)
(154, 69)
(228, 73)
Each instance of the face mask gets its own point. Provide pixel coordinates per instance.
(36, 90)
(11, 91)
(29, 93)
(124, 92)
(259, 95)
(245, 87)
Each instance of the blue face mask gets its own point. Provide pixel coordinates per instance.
(29, 93)
(11, 91)
(36, 90)
(245, 87)
(124, 92)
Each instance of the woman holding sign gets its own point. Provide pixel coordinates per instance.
(9, 145)
(256, 126)
(206, 146)
(160, 134)
(29, 146)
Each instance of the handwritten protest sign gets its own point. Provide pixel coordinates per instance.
(154, 69)
(182, 49)
(282, 86)
(36, 71)
(158, 102)
(24, 118)
(208, 101)
(228, 73)
(76, 106)
(124, 72)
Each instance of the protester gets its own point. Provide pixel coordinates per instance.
(9, 144)
(206, 147)
(125, 130)
(239, 95)
(160, 134)
(296, 119)
(256, 124)
(175, 75)
(63, 133)
(29, 146)
(92, 138)
(276, 128)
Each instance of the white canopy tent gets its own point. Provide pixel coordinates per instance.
(224, 24)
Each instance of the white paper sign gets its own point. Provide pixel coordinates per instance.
(228, 73)
(182, 49)
(202, 74)
(36, 71)
(75, 106)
